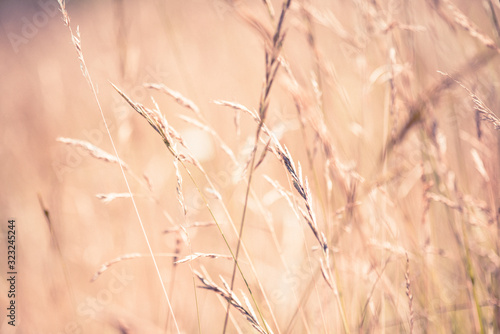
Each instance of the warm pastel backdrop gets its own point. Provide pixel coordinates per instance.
(360, 68)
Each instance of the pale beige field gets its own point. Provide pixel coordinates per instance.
(374, 196)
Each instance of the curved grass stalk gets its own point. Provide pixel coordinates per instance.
(272, 66)
(160, 125)
(77, 43)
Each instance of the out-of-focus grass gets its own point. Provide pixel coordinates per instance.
(433, 195)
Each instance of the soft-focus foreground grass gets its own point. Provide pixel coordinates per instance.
(389, 107)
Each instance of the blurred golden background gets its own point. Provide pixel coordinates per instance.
(353, 75)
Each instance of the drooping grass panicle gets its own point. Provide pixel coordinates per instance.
(480, 107)
(93, 150)
(195, 256)
(154, 118)
(105, 266)
(271, 68)
(171, 138)
(76, 39)
(463, 21)
(302, 188)
(419, 110)
(231, 298)
(178, 97)
(239, 107)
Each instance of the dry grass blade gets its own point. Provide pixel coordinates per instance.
(159, 123)
(231, 298)
(213, 193)
(105, 266)
(94, 151)
(238, 107)
(178, 97)
(76, 39)
(264, 153)
(154, 117)
(192, 225)
(270, 7)
(264, 129)
(304, 192)
(213, 133)
(106, 198)
(326, 275)
(178, 187)
(195, 256)
(287, 195)
(198, 124)
(469, 26)
(479, 164)
(441, 199)
(348, 154)
(260, 27)
(86, 74)
(329, 20)
(481, 108)
(271, 68)
(418, 110)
